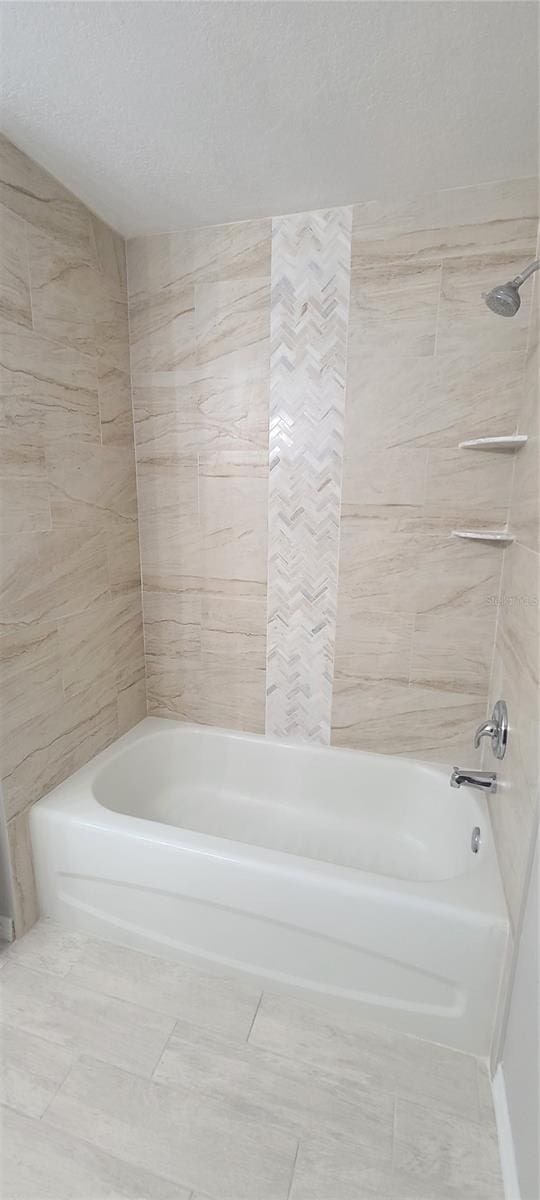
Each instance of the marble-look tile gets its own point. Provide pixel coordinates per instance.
(167, 1130)
(114, 395)
(398, 402)
(452, 650)
(113, 1030)
(22, 870)
(219, 414)
(233, 500)
(383, 477)
(42, 1163)
(341, 1045)
(369, 646)
(90, 483)
(64, 292)
(378, 560)
(15, 304)
(32, 1070)
(110, 250)
(221, 252)
(44, 737)
(55, 745)
(482, 218)
(47, 388)
(286, 1093)
(387, 717)
(212, 1002)
(232, 316)
(22, 455)
(30, 192)
(52, 574)
(444, 1149)
(397, 307)
(48, 947)
(24, 505)
(450, 574)
(123, 555)
(126, 629)
(87, 649)
(526, 492)
(131, 705)
(464, 320)
(464, 484)
(167, 487)
(328, 1168)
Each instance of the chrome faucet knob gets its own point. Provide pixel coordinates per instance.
(496, 729)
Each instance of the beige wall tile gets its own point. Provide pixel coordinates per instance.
(417, 721)
(71, 650)
(395, 401)
(387, 477)
(30, 192)
(91, 483)
(87, 649)
(110, 255)
(395, 306)
(64, 292)
(452, 649)
(24, 505)
(464, 484)
(131, 706)
(444, 223)
(48, 388)
(115, 412)
(26, 903)
(15, 304)
(525, 513)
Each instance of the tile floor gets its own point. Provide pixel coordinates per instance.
(129, 1077)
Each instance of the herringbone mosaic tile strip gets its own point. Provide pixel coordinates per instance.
(310, 304)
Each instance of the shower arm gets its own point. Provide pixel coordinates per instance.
(532, 267)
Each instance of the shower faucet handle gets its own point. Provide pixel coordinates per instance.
(496, 729)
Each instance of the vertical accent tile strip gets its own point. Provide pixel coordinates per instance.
(311, 255)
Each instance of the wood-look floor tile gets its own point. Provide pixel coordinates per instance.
(225, 1006)
(444, 1149)
(369, 1056)
(74, 1017)
(32, 1070)
(171, 1132)
(42, 1163)
(294, 1095)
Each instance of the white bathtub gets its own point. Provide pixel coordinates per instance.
(345, 873)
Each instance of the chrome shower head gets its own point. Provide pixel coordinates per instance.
(505, 299)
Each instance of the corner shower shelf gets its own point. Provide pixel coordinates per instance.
(501, 536)
(514, 441)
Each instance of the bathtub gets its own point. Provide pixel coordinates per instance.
(311, 868)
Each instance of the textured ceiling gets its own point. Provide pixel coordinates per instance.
(166, 115)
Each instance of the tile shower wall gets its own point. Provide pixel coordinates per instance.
(516, 670)
(71, 647)
(427, 367)
(200, 353)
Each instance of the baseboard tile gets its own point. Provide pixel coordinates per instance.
(504, 1133)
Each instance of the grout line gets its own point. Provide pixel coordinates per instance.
(289, 1190)
(75, 1062)
(259, 1002)
(437, 318)
(137, 488)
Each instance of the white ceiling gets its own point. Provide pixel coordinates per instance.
(166, 115)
